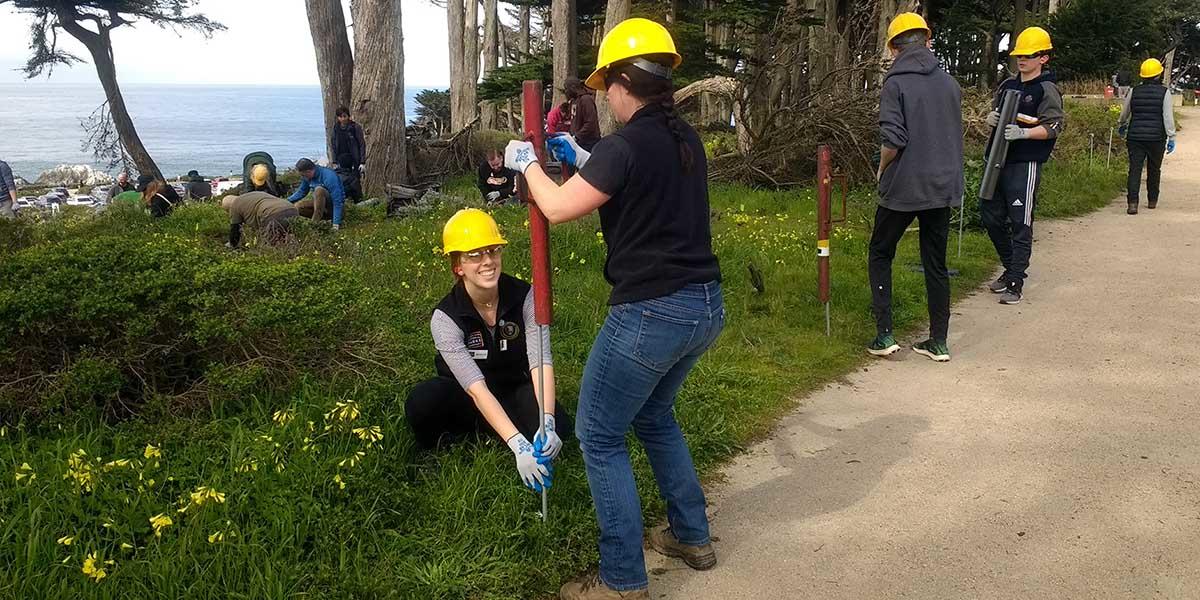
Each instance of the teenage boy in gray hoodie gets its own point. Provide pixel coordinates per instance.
(920, 177)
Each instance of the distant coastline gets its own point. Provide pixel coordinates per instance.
(185, 126)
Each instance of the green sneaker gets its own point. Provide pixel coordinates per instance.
(883, 345)
(934, 349)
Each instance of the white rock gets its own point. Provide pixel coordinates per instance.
(73, 175)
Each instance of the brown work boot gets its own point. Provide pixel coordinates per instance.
(1132, 209)
(701, 558)
(589, 587)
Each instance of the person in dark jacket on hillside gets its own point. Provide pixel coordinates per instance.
(121, 186)
(1148, 125)
(1008, 216)
(197, 188)
(920, 177)
(348, 143)
(8, 192)
(159, 197)
(496, 183)
(585, 121)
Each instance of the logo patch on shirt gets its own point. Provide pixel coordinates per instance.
(508, 330)
(475, 341)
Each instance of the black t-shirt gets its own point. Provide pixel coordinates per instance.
(656, 222)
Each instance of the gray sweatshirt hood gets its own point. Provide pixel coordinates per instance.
(917, 60)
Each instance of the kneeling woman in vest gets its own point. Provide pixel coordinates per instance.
(649, 183)
(486, 364)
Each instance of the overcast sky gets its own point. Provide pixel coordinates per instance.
(277, 29)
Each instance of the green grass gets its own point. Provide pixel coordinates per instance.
(456, 523)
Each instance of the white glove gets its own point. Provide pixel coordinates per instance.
(533, 474)
(493, 196)
(567, 150)
(362, 169)
(519, 155)
(993, 118)
(336, 227)
(1014, 132)
(552, 444)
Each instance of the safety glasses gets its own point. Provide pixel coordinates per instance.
(476, 256)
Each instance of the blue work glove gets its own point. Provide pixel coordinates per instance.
(1013, 132)
(533, 474)
(519, 155)
(567, 150)
(547, 448)
(1170, 145)
(1122, 131)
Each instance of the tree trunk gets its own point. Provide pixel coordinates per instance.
(615, 12)
(99, 45)
(471, 58)
(523, 44)
(1168, 64)
(454, 27)
(379, 90)
(1053, 7)
(335, 61)
(1018, 27)
(563, 24)
(819, 49)
(491, 58)
(988, 75)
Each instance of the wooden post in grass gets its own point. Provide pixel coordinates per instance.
(825, 222)
(539, 242)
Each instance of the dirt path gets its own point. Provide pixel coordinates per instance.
(1056, 456)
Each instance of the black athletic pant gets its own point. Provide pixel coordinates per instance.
(1150, 153)
(439, 410)
(935, 232)
(1008, 218)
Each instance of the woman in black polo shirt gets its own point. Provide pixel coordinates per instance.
(649, 183)
(484, 360)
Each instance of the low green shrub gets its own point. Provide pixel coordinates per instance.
(110, 321)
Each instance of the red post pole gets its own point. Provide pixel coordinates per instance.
(539, 228)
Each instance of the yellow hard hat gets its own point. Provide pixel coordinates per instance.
(905, 22)
(631, 38)
(259, 174)
(470, 229)
(1151, 68)
(1033, 40)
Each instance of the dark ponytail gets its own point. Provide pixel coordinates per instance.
(656, 90)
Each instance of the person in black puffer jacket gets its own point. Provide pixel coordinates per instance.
(1148, 125)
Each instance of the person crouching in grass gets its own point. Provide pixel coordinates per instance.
(270, 215)
(486, 362)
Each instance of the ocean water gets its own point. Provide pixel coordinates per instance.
(185, 127)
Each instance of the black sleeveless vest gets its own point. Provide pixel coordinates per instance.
(1146, 113)
(501, 356)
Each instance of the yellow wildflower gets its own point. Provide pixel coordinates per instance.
(126, 546)
(93, 568)
(66, 540)
(370, 435)
(25, 473)
(115, 464)
(247, 465)
(338, 480)
(82, 471)
(283, 417)
(216, 537)
(204, 494)
(160, 522)
(343, 411)
(152, 451)
(353, 459)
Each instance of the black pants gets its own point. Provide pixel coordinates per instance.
(1008, 218)
(935, 232)
(439, 410)
(1150, 153)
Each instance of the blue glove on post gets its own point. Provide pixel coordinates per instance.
(519, 155)
(1170, 145)
(533, 474)
(1122, 131)
(547, 448)
(567, 150)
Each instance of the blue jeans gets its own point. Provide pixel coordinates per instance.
(640, 358)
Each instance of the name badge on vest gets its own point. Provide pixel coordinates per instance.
(508, 331)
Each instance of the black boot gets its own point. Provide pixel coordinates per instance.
(1152, 203)
(1132, 210)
